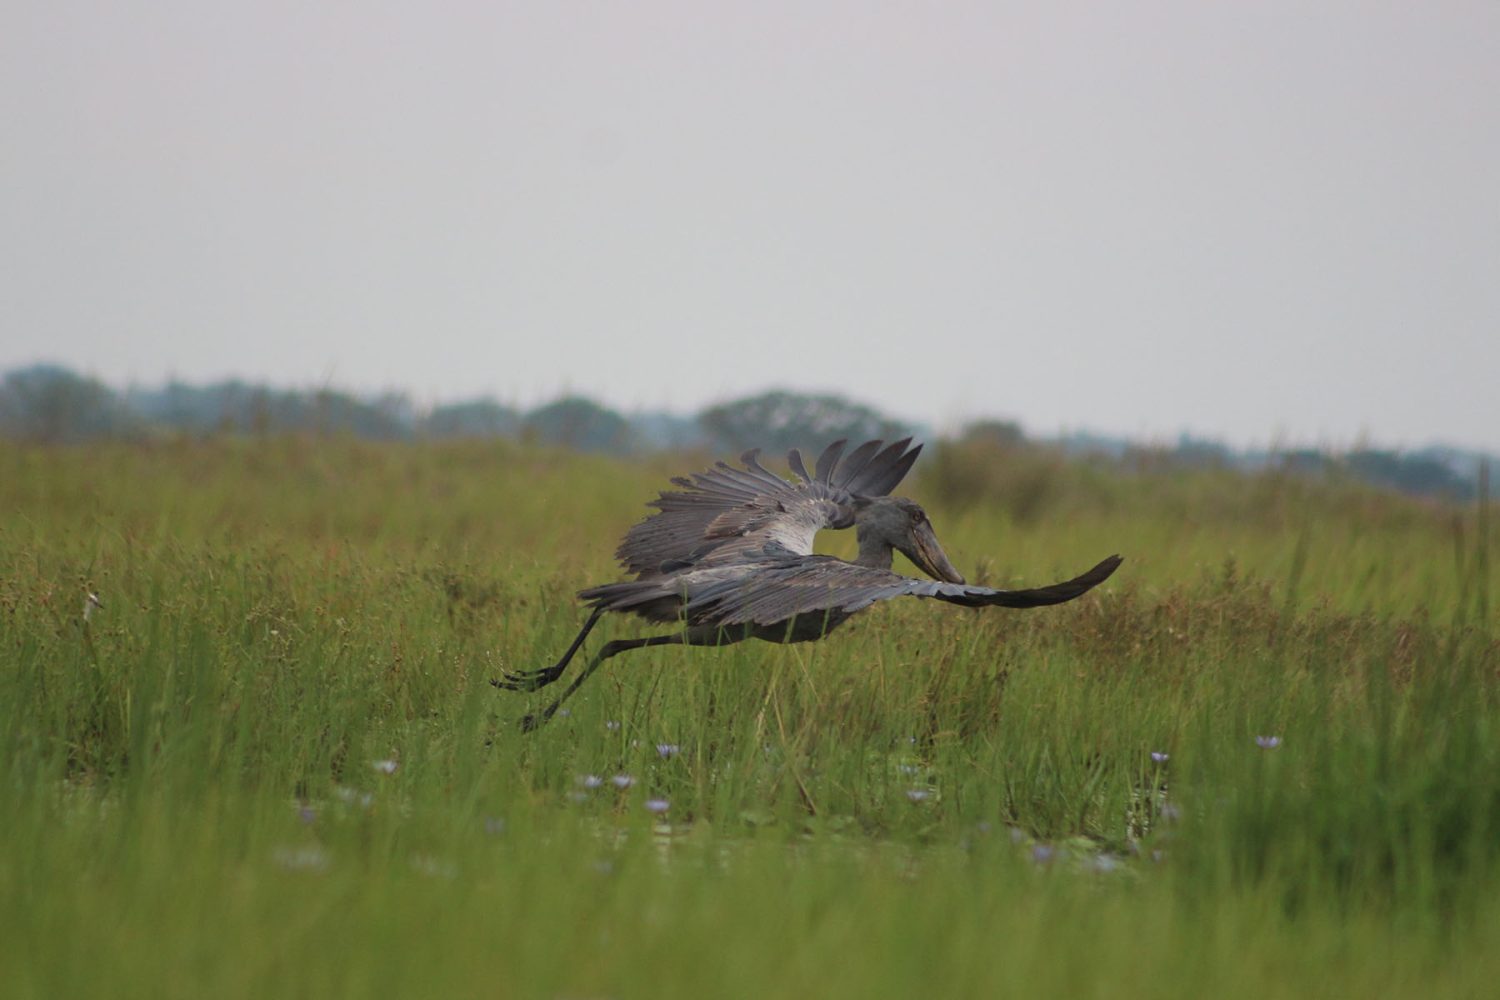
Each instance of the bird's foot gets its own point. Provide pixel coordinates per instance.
(528, 680)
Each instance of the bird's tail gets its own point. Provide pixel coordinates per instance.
(643, 597)
(612, 596)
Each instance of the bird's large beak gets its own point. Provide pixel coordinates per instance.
(928, 554)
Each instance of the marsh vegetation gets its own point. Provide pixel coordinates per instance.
(1263, 760)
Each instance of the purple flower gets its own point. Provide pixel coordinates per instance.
(1042, 853)
(1268, 742)
(1159, 757)
(307, 814)
(657, 806)
(622, 781)
(494, 825)
(668, 750)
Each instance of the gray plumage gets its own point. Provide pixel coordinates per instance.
(735, 508)
(729, 555)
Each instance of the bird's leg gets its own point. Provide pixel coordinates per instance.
(530, 680)
(609, 649)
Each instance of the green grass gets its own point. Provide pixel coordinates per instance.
(934, 801)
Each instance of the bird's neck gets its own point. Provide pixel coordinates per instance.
(874, 551)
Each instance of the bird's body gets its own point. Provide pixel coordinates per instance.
(730, 557)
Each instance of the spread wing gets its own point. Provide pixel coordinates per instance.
(800, 585)
(751, 507)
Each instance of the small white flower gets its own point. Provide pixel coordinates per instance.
(354, 797)
(918, 794)
(667, 750)
(301, 859)
(1160, 757)
(385, 766)
(1268, 742)
(622, 781)
(433, 868)
(590, 780)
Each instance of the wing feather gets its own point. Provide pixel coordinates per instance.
(1057, 593)
(784, 588)
(745, 508)
(794, 459)
(828, 460)
(855, 464)
(886, 470)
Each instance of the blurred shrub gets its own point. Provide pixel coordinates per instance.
(993, 470)
(1031, 482)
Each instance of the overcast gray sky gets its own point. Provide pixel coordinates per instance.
(1259, 221)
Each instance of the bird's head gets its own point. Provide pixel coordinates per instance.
(901, 524)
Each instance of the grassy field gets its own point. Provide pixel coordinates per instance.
(270, 764)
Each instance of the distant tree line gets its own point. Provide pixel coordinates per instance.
(51, 404)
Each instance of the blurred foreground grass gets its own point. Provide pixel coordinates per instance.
(271, 765)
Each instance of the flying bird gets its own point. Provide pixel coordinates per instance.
(729, 556)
